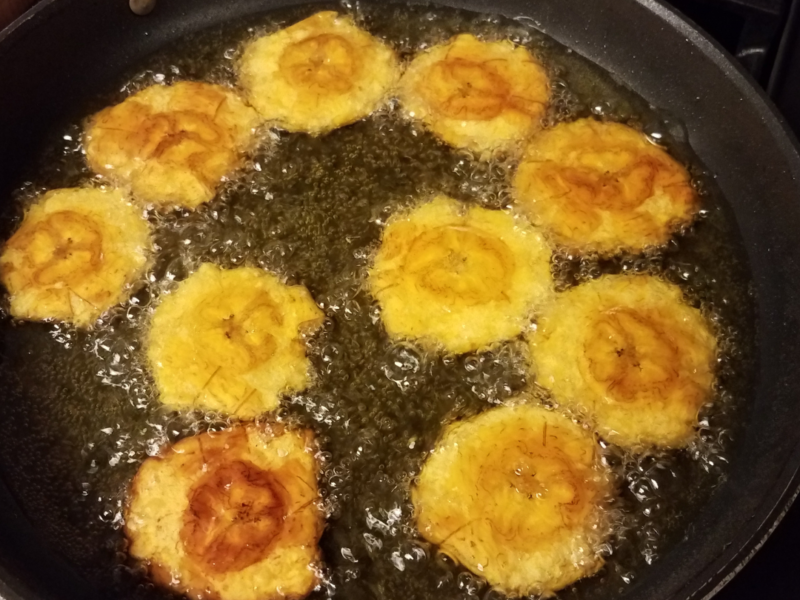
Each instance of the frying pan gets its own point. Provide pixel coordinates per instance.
(64, 51)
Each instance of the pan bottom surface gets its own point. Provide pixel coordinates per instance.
(80, 411)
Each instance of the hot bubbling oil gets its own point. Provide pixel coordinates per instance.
(81, 410)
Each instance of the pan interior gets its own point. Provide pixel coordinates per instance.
(79, 412)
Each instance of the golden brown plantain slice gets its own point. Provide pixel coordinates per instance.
(515, 495)
(76, 254)
(231, 515)
(631, 354)
(603, 187)
(230, 340)
(477, 95)
(171, 144)
(459, 278)
(318, 74)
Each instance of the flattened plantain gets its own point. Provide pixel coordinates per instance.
(458, 278)
(171, 144)
(232, 515)
(515, 495)
(477, 95)
(632, 355)
(603, 187)
(76, 254)
(230, 340)
(318, 74)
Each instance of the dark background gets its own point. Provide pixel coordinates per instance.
(764, 35)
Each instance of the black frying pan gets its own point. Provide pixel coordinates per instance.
(65, 51)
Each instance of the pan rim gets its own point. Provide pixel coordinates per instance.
(788, 484)
(10, 30)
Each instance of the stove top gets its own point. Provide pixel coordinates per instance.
(765, 36)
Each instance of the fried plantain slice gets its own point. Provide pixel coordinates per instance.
(477, 95)
(319, 74)
(627, 351)
(515, 495)
(230, 340)
(76, 254)
(171, 144)
(604, 187)
(231, 515)
(458, 278)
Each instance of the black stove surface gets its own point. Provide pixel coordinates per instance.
(765, 36)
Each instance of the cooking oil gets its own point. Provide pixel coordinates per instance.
(81, 413)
